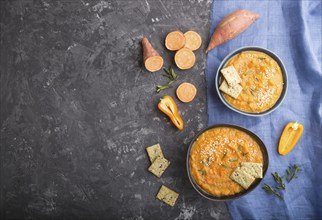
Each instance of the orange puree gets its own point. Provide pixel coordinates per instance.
(215, 155)
(262, 81)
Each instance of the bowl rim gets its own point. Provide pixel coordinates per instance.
(240, 194)
(269, 53)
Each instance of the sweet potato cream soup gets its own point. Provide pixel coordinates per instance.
(262, 81)
(216, 154)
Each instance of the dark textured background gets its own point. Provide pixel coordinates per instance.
(78, 110)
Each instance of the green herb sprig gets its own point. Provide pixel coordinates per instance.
(202, 172)
(269, 189)
(206, 162)
(239, 148)
(171, 75)
(253, 91)
(159, 88)
(292, 172)
(233, 159)
(248, 72)
(225, 166)
(279, 180)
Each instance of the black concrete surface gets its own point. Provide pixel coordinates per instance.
(78, 110)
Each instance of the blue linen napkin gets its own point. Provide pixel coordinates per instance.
(292, 30)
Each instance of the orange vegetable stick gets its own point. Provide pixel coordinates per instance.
(193, 40)
(175, 40)
(184, 58)
(151, 58)
(186, 92)
(231, 26)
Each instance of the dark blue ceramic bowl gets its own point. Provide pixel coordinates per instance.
(259, 49)
(238, 195)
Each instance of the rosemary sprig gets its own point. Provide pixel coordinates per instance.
(279, 180)
(291, 172)
(269, 189)
(233, 159)
(253, 91)
(239, 148)
(171, 74)
(202, 172)
(225, 166)
(248, 72)
(159, 88)
(206, 163)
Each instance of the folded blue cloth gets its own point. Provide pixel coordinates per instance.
(292, 30)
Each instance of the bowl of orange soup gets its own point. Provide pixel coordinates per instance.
(263, 81)
(216, 152)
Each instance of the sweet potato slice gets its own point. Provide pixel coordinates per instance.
(175, 40)
(151, 58)
(184, 58)
(231, 26)
(186, 92)
(193, 40)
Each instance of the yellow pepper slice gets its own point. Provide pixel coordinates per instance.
(290, 136)
(169, 107)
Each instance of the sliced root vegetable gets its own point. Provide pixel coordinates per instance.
(231, 26)
(151, 58)
(186, 92)
(193, 40)
(184, 58)
(153, 64)
(175, 40)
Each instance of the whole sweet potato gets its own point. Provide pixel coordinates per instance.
(231, 26)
